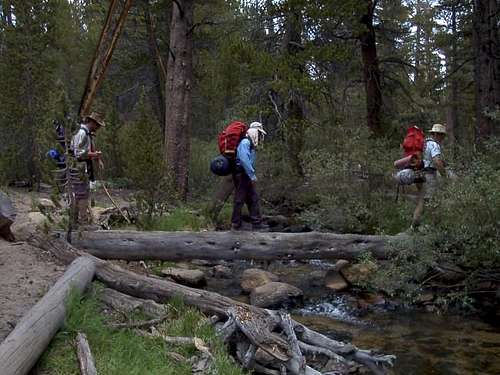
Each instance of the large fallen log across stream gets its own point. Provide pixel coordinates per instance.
(175, 246)
(254, 329)
(31, 336)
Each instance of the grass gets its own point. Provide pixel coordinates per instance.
(186, 219)
(123, 352)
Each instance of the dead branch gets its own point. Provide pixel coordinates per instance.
(85, 358)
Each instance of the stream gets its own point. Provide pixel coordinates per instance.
(424, 343)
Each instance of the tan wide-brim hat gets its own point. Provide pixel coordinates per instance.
(438, 128)
(97, 118)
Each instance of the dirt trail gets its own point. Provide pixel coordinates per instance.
(26, 272)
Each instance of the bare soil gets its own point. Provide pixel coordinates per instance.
(26, 272)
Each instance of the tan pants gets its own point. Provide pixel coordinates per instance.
(425, 191)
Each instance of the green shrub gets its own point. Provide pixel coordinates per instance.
(144, 163)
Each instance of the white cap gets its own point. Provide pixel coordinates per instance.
(258, 126)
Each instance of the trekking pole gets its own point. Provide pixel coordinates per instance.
(114, 203)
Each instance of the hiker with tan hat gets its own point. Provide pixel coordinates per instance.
(433, 163)
(82, 171)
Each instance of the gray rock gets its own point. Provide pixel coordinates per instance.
(341, 263)
(46, 205)
(357, 274)
(38, 219)
(186, 277)
(7, 210)
(317, 277)
(254, 277)
(222, 272)
(275, 294)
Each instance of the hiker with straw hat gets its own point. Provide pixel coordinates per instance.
(433, 163)
(82, 171)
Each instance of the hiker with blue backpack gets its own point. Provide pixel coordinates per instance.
(237, 145)
(245, 179)
(82, 170)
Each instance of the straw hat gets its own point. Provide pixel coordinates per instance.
(97, 118)
(438, 128)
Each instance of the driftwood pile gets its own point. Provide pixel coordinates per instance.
(270, 342)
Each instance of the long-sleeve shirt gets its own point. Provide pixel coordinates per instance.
(246, 158)
(81, 143)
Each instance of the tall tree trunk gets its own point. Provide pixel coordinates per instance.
(295, 122)
(486, 66)
(371, 71)
(452, 115)
(159, 68)
(178, 93)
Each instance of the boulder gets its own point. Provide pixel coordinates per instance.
(46, 205)
(7, 217)
(254, 277)
(185, 277)
(38, 219)
(335, 281)
(222, 272)
(275, 295)
(358, 274)
(340, 264)
(317, 277)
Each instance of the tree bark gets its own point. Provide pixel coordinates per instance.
(127, 304)
(179, 95)
(452, 110)
(159, 68)
(85, 359)
(24, 345)
(222, 194)
(115, 21)
(135, 245)
(295, 122)
(486, 66)
(371, 71)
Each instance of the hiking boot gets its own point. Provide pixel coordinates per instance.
(235, 226)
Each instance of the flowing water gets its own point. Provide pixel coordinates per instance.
(424, 343)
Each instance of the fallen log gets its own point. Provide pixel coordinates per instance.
(24, 345)
(174, 246)
(85, 358)
(126, 304)
(265, 337)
